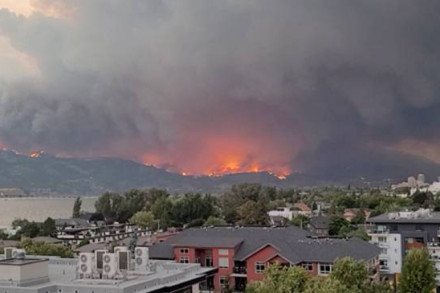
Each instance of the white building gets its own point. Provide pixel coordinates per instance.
(390, 258)
(84, 275)
(434, 252)
(284, 212)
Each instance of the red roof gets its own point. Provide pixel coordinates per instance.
(303, 207)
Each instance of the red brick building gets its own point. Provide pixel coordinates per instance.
(241, 254)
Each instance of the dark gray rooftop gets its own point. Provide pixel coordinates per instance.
(212, 241)
(320, 222)
(293, 244)
(432, 218)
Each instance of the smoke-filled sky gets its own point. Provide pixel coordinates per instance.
(222, 86)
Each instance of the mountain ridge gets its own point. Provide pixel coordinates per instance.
(46, 174)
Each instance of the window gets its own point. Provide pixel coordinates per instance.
(208, 261)
(325, 269)
(382, 239)
(383, 251)
(308, 266)
(223, 252)
(381, 228)
(223, 262)
(383, 263)
(184, 251)
(197, 259)
(184, 259)
(223, 281)
(260, 267)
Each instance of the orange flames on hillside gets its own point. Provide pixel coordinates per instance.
(36, 154)
(217, 157)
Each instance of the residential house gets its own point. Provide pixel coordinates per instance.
(281, 212)
(302, 209)
(350, 214)
(241, 254)
(319, 225)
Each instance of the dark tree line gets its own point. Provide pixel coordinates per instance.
(244, 204)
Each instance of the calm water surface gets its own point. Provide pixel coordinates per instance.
(38, 209)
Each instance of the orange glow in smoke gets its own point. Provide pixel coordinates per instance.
(221, 156)
(3, 147)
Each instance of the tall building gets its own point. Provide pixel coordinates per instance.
(421, 179)
(398, 232)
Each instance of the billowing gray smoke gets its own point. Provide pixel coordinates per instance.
(312, 85)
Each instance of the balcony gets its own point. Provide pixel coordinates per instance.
(383, 245)
(375, 230)
(434, 257)
(384, 268)
(240, 271)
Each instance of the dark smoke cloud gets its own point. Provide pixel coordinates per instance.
(328, 83)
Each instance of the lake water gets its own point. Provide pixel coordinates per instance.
(38, 209)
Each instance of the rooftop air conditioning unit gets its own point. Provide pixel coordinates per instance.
(141, 258)
(124, 261)
(85, 263)
(98, 259)
(8, 252)
(109, 263)
(16, 252)
(120, 248)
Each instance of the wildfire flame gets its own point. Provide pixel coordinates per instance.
(36, 154)
(220, 157)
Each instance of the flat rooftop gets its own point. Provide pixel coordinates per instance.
(166, 277)
(21, 261)
(431, 218)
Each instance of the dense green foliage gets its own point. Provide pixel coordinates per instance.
(33, 229)
(418, 272)
(214, 221)
(248, 204)
(143, 219)
(348, 276)
(40, 248)
(76, 213)
(158, 206)
(281, 280)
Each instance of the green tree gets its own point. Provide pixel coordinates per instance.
(162, 209)
(41, 248)
(112, 206)
(48, 228)
(351, 273)
(328, 285)
(252, 213)
(359, 233)
(19, 223)
(30, 230)
(193, 207)
(214, 221)
(300, 221)
(237, 196)
(76, 213)
(143, 219)
(359, 218)
(418, 273)
(279, 279)
(336, 224)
